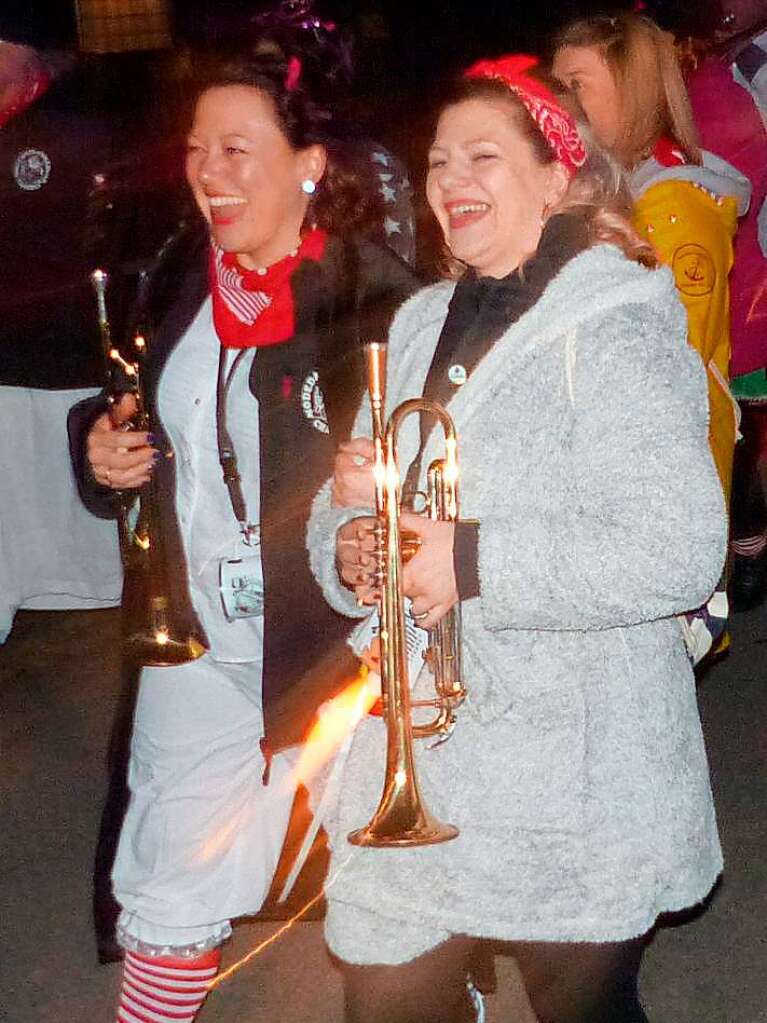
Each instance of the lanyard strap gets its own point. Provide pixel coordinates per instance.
(227, 456)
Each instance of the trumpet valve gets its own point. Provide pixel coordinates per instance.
(410, 544)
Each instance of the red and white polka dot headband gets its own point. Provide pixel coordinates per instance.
(555, 124)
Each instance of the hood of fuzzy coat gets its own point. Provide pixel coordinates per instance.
(715, 175)
(602, 279)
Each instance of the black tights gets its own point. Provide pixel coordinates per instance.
(565, 983)
(748, 509)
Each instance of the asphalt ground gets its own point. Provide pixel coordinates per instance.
(60, 691)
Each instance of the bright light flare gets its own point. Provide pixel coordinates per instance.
(337, 718)
(127, 367)
(391, 475)
(379, 473)
(222, 841)
(451, 460)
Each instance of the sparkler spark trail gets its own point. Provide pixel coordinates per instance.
(262, 946)
(339, 717)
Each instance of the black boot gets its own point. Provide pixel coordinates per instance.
(748, 583)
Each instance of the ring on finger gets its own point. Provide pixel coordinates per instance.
(108, 475)
(419, 617)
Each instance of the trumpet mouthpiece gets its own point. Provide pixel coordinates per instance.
(375, 353)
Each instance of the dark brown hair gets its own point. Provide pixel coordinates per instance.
(347, 198)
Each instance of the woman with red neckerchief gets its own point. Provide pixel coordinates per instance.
(255, 319)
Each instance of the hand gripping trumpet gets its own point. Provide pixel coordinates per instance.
(153, 641)
(401, 818)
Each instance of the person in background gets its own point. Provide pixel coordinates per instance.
(623, 72)
(254, 322)
(591, 516)
(54, 150)
(724, 50)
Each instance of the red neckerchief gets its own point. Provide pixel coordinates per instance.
(669, 153)
(254, 308)
(34, 90)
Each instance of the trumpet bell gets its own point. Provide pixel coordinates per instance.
(156, 645)
(158, 649)
(401, 818)
(393, 834)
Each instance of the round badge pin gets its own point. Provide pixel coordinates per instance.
(457, 374)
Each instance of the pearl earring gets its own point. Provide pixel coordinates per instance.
(308, 186)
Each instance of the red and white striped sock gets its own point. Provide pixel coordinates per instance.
(165, 989)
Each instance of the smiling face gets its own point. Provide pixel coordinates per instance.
(486, 186)
(246, 177)
(585, 73)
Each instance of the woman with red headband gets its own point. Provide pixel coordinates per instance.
(255, 317)
(576, 774)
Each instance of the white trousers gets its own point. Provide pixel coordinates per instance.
(203, 834)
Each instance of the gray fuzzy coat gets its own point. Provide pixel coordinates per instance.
(577, 773)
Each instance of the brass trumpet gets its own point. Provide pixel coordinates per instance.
(401, 818)
(153, 642)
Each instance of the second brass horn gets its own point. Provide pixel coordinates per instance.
(402, 818)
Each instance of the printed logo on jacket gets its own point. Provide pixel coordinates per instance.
(693, 270)
(31, 169)
(313, 402)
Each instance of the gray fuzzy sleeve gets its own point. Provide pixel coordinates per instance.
(642, 532)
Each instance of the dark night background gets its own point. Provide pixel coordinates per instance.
(401, 53)
(401, 50)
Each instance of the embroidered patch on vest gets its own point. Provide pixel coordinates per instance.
(693, 270)
(31, 169)
(313, 403)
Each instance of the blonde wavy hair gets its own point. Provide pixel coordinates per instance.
(597, 192)
(652, 96)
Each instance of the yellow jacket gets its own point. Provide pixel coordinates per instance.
(690, 216)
